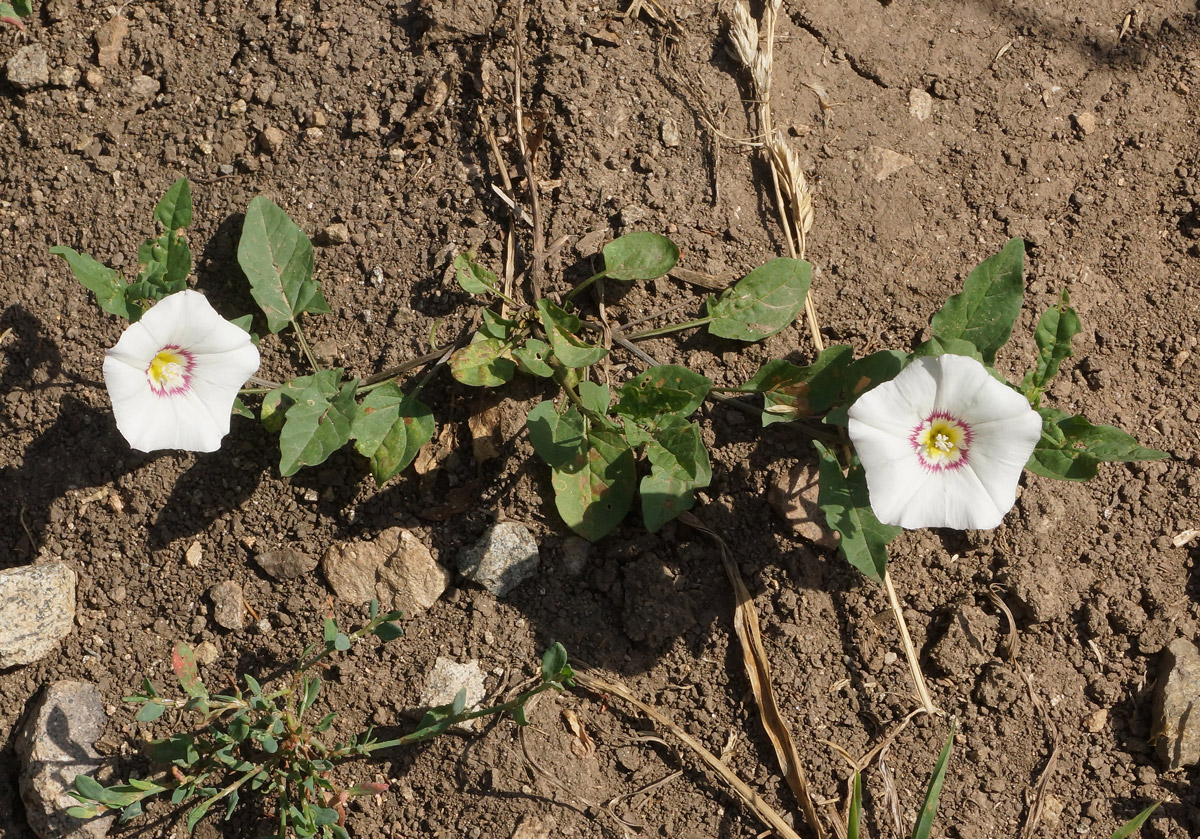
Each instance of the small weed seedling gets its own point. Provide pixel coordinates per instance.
(262, 743)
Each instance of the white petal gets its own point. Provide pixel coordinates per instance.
(999, 451)
(899, 405)
(150, 422)
(955, 498)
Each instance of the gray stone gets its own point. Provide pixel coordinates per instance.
(227, 605)
(447, 678)
(1177, 706)
(29, 67)
(144, 87)
(396, 569)
(286, 563)
(37, 610)
(56, 744)
(504, 557)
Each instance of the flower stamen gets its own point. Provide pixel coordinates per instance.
(941, 441)
(169, 372)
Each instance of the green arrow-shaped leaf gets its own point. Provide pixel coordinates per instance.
(561, 327)
(594, 493)
(639, 256)
(102, 281)
(278, 261)
(483, 363)
(1072, 449)
(317, 417)
(761, 303)
(666, 389)
(847, 506)
(679, 466)
(986, 309)
(559, 439)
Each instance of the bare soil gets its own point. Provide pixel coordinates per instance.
(1068, 124)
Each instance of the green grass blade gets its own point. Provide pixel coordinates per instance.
(855, 816)
(1137, 821)
(921, 830)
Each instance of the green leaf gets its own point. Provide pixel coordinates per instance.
(388, 632)
(485, 363)
(595, 491)
(178, 749)
(342, 642)
(252, 683)
(493, 326)
(323, 816)
(329, 630)
(561, 327)
(102, 281)
(268, 743)
(174, 210)
(240, 410)
(1071, 448)
(763, 302)
(679, 466)
(924, 825)
(232, 800)
(312, 687)
(1055, 329)
(317, 418)
(846, 503)
(559, 439)
(83, 813)
(639, 256)
(150, 712)
(519, 716)
(23, 7)
(473, 277)
(986, 309)
(666, 389)
(595, 397)
(197, 813)
(89, 788)
(1126, 830)
(531, 358)
(553, 662)
(183, 662)
(390, 428)
(790, 391)
(864, 374)
(278, 261)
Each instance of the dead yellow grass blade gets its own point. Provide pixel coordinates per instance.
(748, 796)
(758, 669)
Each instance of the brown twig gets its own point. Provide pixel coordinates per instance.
(537, 267)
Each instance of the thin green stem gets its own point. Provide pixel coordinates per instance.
(667, 330)
(581, 287)
(312, 359)
(426, 733)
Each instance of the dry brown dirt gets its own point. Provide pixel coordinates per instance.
(1070, 124)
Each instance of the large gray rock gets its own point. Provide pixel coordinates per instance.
(56, 744)
(1177, 706)
(396, 569)
(29, 67)
(503, 558)
(37, 610)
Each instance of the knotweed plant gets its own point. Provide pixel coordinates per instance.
(263, 744)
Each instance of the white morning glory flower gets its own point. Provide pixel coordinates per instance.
(943, 444)
(174, 374)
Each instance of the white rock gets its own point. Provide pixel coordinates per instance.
(447, 678)
(227, 605)
(920, 104)
(504, 557)
(37, 610)
(56, 744)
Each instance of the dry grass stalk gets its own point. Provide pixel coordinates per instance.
(749, 797)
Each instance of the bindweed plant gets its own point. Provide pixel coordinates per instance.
(263, 743)
(939, 437)
(934, 437)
